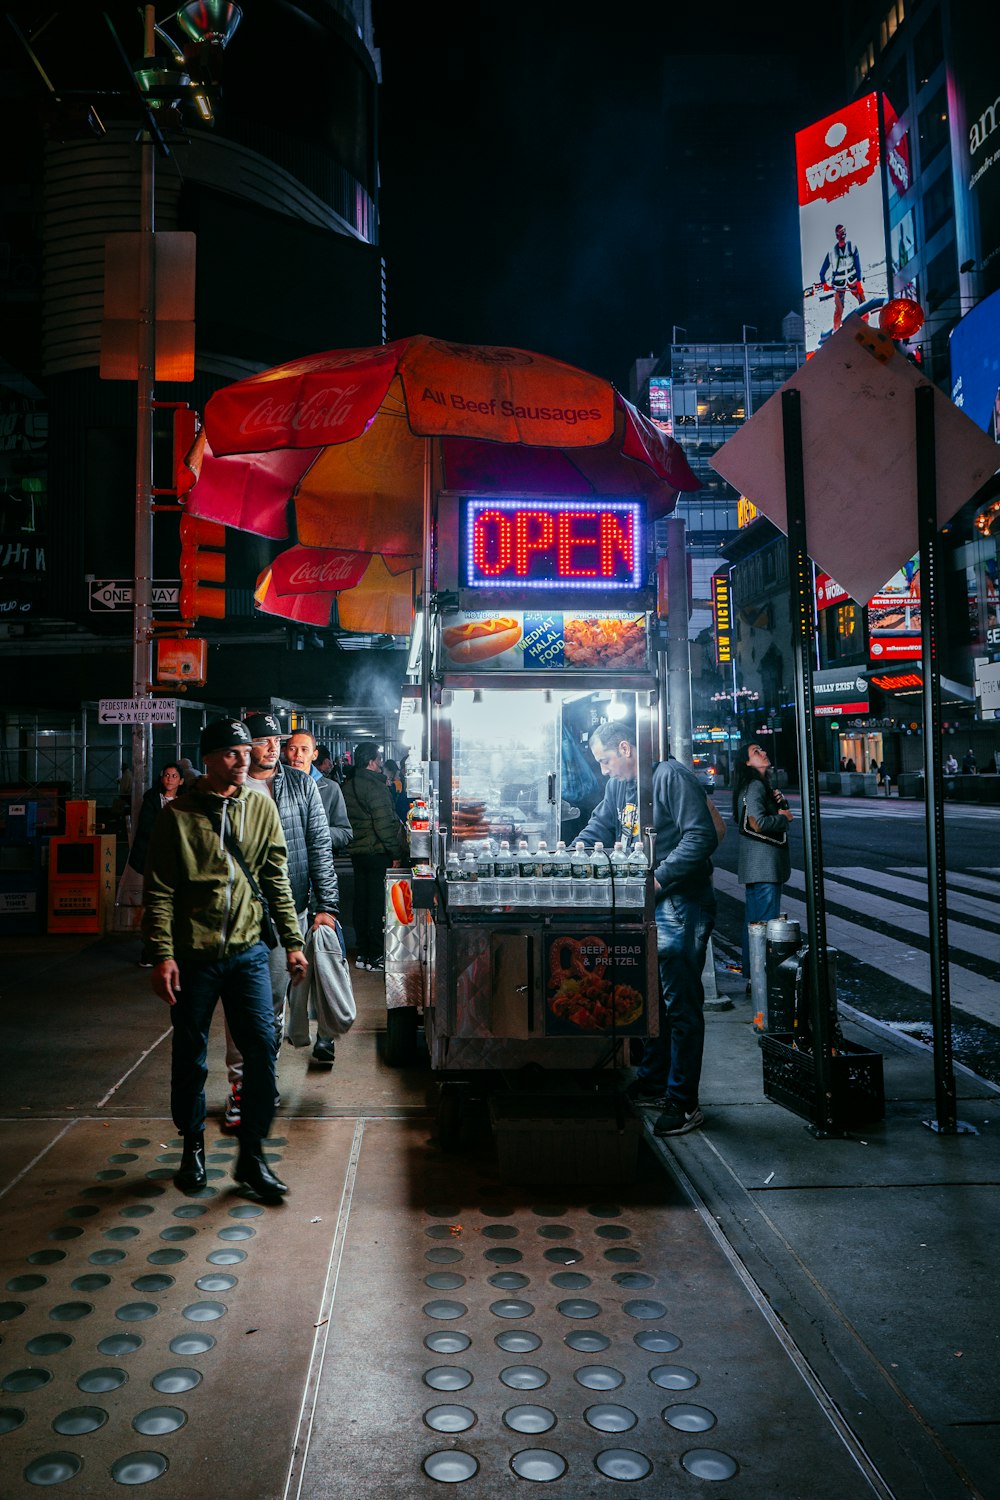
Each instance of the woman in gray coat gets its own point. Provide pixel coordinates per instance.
(764, 862)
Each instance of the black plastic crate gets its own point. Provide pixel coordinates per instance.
(856, 1081)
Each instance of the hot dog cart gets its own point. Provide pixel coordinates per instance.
(538, 629)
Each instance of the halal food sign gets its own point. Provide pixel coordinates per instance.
(551, 544)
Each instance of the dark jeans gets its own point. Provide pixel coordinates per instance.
(369, 903)
(243, 984)
(671, 1062)
(763, 903)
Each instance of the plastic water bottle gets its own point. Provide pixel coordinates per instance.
(486, 876)
(619, 872)
(505, 869)
(635, 880)
(583, 873)
(470, 878)
(562, 876)
(524, 886)
(455, 877)
(543, 875)
(600, 885)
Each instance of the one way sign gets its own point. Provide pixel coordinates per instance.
(116, 593)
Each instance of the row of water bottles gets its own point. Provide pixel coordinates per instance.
(504, 876)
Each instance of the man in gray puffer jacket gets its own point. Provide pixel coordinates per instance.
(311, 874)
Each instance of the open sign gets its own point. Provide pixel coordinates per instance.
(566, 544)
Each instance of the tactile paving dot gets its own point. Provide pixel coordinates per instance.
(512, 1307)
(195, 1211)
(549, 1210)
(138, 1468)
(613, 1232)
(570, 1281)
(673, 1377)
(438, 1232)
(623, 1463)
(123, 1156)
(30, 1379)
(53, 1468)
(555, 1231)
(563, 1255)
(642, 1307)
(11, 1310)
(709, 1463)
(156, 1282)
(447, 1378)
(599, 1377)
(156, 1420)
(605, 1210)
(225, 1257)
(118, 1344)
(529, 1419)
(450, 1418)
(11, 1418)
(587, 1341)
(204, 1312)
(96, 1192)
(508, 1281)
(135, 1144)
(166, 1257)
(49, 1343)
(237, 1232)
(136, 1312)
(502, 1255)
(578, 1307)
(172, 1382)
(82, 1211)
(449, 1341)
(96, 1382)
(70, 1312)
(137, 1211)
(442, 1308)
(441, 1281)
(91, 1283)
(106, 1257)
(689, 1418)
(45, 1257)
(442, 1211)
(66, 1232)
(538, 1463)
(242, 1211)
(622, 1255)
(606, 1416)
(190, 1344)
(524, 1377)
(120, 1232)
(450, 1466)
(633, 1281)
(79, 1419)
(443, 1255)
(518, 1341)
(499, 1231)
(110, 1174)
(657, 1340)
(216, 1281)
(26, 1283)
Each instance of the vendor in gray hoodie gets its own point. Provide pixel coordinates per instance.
(685, 839)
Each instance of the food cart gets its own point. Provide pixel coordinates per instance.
(538, 629)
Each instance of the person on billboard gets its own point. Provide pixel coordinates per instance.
(841, 272)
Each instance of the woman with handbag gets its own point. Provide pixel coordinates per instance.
(762, 816)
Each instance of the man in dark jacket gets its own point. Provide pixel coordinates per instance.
(202, 927)
(685, 839)
(311, 875)
(379, 842)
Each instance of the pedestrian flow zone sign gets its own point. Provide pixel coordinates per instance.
(137, 711)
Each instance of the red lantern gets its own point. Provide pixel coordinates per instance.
(901, 318)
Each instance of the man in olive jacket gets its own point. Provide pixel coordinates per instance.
(379, 841)
(202, 928)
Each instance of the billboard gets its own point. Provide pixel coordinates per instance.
(974, 348)
(974, 107)
(722, 613)
(661, 402)
(894, 617)
(839, 170)
(840, 690)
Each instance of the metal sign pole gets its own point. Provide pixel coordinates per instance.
(946, 1122)
(800, 586)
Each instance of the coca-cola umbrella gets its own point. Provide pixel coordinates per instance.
(342, 452)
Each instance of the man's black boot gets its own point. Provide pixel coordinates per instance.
(190, 1176)
(253, 1171)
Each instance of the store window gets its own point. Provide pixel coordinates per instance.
(928, 48)
(939, 205)
(941, 280)
(932, 127)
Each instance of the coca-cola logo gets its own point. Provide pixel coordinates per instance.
(335, 570)
(325, 409)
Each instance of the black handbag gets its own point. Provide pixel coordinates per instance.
(268, 931)
(776, 840)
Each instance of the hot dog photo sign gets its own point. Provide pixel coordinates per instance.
(544, 641)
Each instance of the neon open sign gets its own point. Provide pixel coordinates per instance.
(545, 544)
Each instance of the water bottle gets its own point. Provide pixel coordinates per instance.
(600, 885)
(562, 876)
(486, 876)
(619, 872)
(524, 885)
(505, 869)
(470, 878)
(583, 873)
(543, 875)
(455, 877)
(635, 879)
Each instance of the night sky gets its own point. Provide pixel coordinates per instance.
(527, 191)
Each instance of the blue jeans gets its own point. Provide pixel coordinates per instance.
(243, 983)
(671, 1062)
(763, 902)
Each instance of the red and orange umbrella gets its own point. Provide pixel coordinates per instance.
(337, 449)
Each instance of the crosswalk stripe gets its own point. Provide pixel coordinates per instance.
(968, 882)
(960, 934)
(970, 992)
(986, 907)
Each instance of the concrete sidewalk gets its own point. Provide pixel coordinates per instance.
(875, 1256)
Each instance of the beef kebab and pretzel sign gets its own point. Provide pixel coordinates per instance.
(579, 995)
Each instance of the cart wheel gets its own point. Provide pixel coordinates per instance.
(400, 1035)
(449, 1118)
